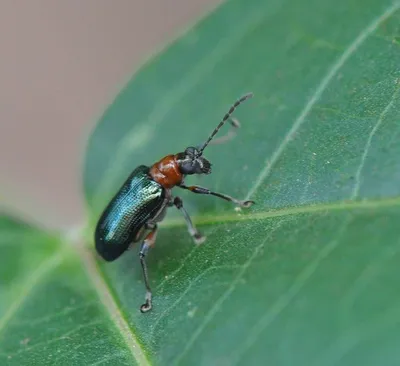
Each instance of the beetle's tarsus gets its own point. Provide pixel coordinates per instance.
(199, 238)
(147, 306)
(246, 203)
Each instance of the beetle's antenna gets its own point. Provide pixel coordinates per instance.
(235, 124)
(223, 121)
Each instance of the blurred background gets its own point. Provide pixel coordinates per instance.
(62, 63)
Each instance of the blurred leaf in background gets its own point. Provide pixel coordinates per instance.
(309, 275)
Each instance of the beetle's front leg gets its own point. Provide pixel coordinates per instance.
(201, 190)
(194, 233)
(147, 243)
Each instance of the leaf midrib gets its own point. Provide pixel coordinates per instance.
(287, 211)
(111, 306)
(110, 303)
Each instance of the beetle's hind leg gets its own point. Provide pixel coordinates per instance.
(194, 233)
(147, 243)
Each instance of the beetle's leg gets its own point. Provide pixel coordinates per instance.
(194, 233)
(147, 243)
(201, 190)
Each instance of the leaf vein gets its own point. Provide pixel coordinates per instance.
(289, 211)
(183, 294)
(54, 340)
(270, 162)
(382, 116)
(217, 305)
(66, 311)
(29, 284)
(183, 263)
(284, 300)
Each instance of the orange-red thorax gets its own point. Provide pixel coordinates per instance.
(166, 172)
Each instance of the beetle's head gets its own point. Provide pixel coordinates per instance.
(192, 162)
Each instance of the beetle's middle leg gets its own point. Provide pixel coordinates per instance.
(194, 233)
(147, 243)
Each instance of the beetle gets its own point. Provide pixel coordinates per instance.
(143, 199)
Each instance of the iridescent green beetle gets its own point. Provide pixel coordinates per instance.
(143, 199)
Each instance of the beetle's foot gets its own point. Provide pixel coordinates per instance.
(246, 204)
(147, 306)
(199, 238)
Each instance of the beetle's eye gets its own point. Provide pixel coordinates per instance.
(205, 166)
(191, 151)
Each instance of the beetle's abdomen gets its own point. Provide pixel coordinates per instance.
(139, 199)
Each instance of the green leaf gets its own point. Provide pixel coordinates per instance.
(55, 309)
(310, 277)
(307, 276)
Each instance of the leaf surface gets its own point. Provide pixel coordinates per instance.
(307, 276)
(53, 310)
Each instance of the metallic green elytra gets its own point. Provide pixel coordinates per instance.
(138, 200)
